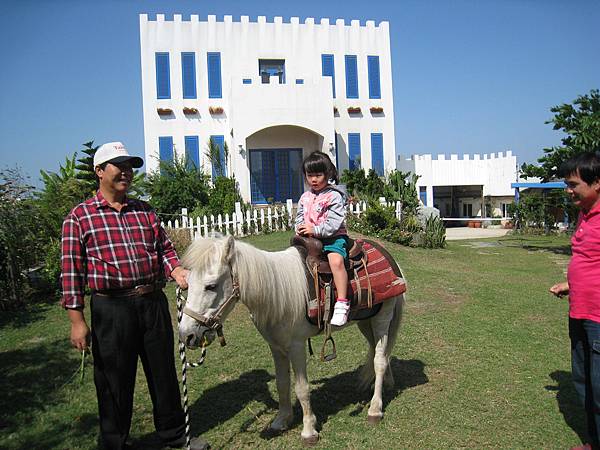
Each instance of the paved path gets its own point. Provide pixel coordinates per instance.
(457, 233)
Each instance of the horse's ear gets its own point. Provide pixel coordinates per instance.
(228, 249)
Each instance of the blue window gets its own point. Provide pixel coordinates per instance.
(377, 153)
(165, 148)
(374, 82)
(328, 70)
(247, 81)
(351, 77)
(163, 80)
(268, 68)
(423, 197)
(276, 175)
(214, 75)
(219, 168)
(192, 151)
(188, 74)
(354, 150)
(299, 81)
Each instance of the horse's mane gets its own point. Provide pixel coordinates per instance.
(272, 284)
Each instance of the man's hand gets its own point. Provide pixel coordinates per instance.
(80, 332)
(306, 229)
(180, 276)
(560, 289)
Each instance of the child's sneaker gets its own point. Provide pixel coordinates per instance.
(340, 313)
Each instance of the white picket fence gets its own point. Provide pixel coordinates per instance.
(256, 220)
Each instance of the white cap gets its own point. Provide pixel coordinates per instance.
(115, 152)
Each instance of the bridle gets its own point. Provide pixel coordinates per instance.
(214, 321)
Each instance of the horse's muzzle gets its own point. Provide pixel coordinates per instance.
(203, 337)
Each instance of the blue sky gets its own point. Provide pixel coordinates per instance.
(470, 76)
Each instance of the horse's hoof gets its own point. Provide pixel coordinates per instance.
(310, 441)
(374, 420)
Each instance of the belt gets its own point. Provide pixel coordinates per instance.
(137, 291)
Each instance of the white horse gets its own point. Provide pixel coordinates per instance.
(273, 287)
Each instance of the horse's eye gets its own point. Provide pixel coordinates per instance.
(210, 287)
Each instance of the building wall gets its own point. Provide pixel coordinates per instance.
(494, 172)
(250, 108)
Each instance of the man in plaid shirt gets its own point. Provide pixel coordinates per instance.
(116, 246)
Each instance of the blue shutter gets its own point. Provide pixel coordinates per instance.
(165, 148)
(377, 153)
(374, 82)
(351, 77)
(328, 70)
(163, 81)
(354, 150)
(214, 75)
(188, 74)
(192, 151)
(220, 142)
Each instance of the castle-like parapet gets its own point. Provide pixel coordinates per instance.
(456, 157)
(277, 20)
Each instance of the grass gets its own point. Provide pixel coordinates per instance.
(482, 361)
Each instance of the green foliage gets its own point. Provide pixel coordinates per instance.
(380, 221)
(402, 186)
(177, 185)
(537, 214)
(580, 122)
(217, 160)
(361, 186)
(223, 195)
(21, 237)
(434, 233)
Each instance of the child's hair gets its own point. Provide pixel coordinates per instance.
(319, 162)
(586, 165)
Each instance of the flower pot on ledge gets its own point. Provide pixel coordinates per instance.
(354, 110)
(164, 111)
(215, 110)
(190, 111)
(376, 110)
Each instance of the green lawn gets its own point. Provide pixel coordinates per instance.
(482, 361)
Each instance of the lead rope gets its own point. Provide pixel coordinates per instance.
(184, 366)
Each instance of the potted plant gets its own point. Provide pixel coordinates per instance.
(376, 109)
(215, 110)
(353, 109)
(164, 111)
(189, 110)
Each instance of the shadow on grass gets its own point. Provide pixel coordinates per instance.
(33, 381)
(221, 403)
(537, 245)
(29, 314)
(337, 392)
(569, 404)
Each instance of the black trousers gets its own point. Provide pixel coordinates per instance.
(122, 330)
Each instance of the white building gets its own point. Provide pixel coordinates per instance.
(472, 186)
(272, 92)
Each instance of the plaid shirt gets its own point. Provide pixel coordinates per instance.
(111, 249)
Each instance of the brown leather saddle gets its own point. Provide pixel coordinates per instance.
(373, 277)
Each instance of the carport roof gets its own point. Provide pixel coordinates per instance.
(547, 185)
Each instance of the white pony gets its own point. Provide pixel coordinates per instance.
(273, 287)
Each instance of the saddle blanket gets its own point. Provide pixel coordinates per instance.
(381, 274)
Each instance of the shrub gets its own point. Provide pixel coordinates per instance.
(177, 185)
(21, 237)
(434, 233)
(180, 237)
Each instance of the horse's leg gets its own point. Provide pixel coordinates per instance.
(282, 373)
(309, 433)
(380, 326)
(367, 371)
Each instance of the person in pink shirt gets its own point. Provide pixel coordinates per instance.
(322, 214)
(582, 177)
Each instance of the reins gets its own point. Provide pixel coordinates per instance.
(184, 366)
(213, 322)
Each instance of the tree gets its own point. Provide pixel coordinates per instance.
(580, 121)
(176, 185)
(20, 237)
(217, 157)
